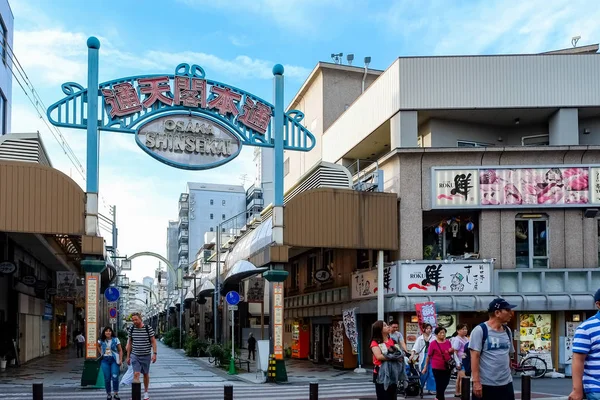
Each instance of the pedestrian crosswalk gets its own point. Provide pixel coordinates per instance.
(341, 390)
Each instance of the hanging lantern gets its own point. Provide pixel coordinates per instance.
(439, 230)
(470, 226)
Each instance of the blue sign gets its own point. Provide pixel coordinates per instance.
(112, 312)
(233, 298)
(112, 294)
(48, 312)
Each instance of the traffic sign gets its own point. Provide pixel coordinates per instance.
(233, 298)
(112, 321)
(233, 308)
(112, 312)
(112, 294)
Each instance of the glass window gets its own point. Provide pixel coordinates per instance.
(222, 216)
(212, 202)
(531, 243)
(222, 230)
(211, 216)
(4, 40)
(2, 114)
(468, 143)
(450, 235)
(294, 276)
(212, 229)
(286, 167)
(310, 271)
(223, 202)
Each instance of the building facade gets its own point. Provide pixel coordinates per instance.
(173, 249)
(494, 163)
(6, 37)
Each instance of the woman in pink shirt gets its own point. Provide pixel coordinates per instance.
(440, 351)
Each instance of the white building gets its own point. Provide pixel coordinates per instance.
(201, 210)
(173, 249)
(6, 40)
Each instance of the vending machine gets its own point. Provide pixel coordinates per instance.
(300, 340)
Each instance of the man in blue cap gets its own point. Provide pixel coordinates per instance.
(491, 346)
(586, 358)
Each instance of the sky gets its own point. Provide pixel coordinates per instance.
(238, 42)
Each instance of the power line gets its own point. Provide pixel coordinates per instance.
(36, 102)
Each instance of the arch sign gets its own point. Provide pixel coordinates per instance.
(183, 119)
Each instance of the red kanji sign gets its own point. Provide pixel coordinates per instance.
(256, 116)
(123, 100)
(190, 94)
(224, 102)
(155, 88)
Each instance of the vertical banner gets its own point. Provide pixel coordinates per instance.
(91, 313)
(350, 328)
(278, 320)
(426, 314)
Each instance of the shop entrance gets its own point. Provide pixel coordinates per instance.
(322, 341)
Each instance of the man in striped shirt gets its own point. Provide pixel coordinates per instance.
(586, 358)
(141, 350)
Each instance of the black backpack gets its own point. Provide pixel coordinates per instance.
(466, 362)
(147, 333)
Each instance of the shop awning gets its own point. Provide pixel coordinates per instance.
(241, 270)
(475, 303)
(207, 288)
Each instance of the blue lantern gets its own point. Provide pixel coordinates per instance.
(470, 226)
(439, 230)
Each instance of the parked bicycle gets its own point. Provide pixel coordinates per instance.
(214, 360)
(530, 365)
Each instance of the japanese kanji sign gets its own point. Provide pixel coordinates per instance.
(129, 104)
(426, 314)
(517, 186)
(364, 283)
(440, 278)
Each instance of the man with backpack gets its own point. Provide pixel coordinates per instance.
(141, 350)
(491, 346)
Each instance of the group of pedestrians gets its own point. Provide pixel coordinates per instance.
(140, 353)
(488, 352)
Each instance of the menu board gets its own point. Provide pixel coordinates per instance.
(412, 333)
(535, 335)
(278, 320)
(571, 328)
(91, 313)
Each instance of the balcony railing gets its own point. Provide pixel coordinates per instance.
(183, 249)
(184, 207)
(546, 281)
(184, 235)
(183, 222)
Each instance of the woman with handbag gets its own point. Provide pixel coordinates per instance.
(442, 363)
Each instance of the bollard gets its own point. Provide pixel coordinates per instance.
(136, 391)
(228, 392)
(38, 391)
(465, 388)
(314, 391)
(526, 387)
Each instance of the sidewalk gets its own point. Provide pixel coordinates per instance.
(63, 370)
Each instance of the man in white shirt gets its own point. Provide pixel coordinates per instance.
(80, 341)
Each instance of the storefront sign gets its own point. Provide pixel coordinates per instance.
(91, 313)
(569, 337)
(447, 321)
(188, 142)
(256, 290)
(278, 320)
(441, 278)
(41, 285)
(48, 314)
(29, 280)
(412, 333)
(7, 268)
(365, 285)
(322, 275)
(506, 187)
(426, 314)
(338, 341)
(69, 288)
(535, 336)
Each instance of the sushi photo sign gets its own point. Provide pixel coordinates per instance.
(516, 186)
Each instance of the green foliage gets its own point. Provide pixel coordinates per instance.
(171, 338)
(195, 347)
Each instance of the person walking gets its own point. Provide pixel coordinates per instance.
(586, 353)
(111, 352)
(80, 342)
(141, 350)
(419, 353)
(491, 346)
(439, 352)
(384, 352)
(397, 335)
(251, 346)
(458, 344)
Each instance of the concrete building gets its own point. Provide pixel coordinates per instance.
(173, 249)
(494, 161)
(6, 38)
(205, 206)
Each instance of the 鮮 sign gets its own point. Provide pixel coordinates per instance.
(434, 277)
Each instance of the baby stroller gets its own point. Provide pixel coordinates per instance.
(413, 379)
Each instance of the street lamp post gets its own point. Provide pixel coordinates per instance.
(187, 278)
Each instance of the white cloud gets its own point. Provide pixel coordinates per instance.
(492, 27)
(240, 40)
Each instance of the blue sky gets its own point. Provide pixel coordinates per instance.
(238, 42)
